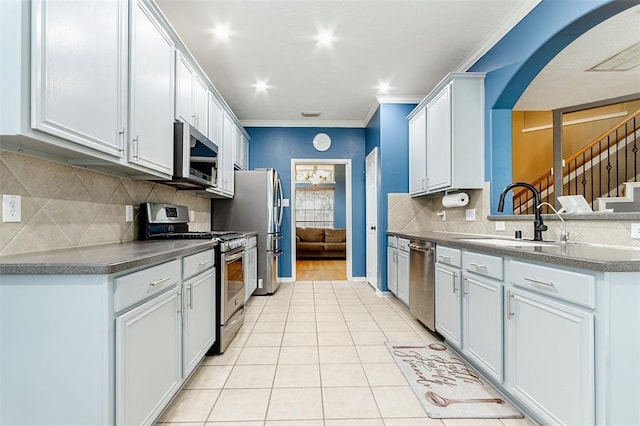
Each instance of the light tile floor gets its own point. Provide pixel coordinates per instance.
(312, 354)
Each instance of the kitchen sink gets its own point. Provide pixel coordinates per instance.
(508, 243)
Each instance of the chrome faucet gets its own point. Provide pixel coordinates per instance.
(538, 225)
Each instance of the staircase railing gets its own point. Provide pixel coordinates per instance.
(600, 168)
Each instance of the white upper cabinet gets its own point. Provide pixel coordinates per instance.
(418, 152)
(152, 92)
(446, 136)
(438, 142)
(225, 156)
(79, 80)
(216, 118)
(192, 96)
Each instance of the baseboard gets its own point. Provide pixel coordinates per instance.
(384, 293)
(358, 279)
(285, 280)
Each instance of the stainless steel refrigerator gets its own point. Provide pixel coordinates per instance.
(256, 206)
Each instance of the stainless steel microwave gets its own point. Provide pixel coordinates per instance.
(195, 158)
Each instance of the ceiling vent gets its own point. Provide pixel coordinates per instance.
(624, 60)
(310, 114)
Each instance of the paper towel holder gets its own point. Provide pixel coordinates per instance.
(454, 198)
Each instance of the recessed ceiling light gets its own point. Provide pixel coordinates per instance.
(261, 86)
(325, 38)
(384, 87)
(222, 32)
(624, 60)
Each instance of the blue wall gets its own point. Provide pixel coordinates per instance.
(515, 61)
(276, 146)
(388, 130)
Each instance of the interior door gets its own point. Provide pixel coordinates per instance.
(372, 217)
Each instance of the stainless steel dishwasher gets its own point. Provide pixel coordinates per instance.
(422, 282)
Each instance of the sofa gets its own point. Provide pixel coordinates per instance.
(321, 243)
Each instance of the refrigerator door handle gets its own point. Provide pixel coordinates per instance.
(280, 196)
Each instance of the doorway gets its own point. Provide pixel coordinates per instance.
(321, 217)
(372, 217)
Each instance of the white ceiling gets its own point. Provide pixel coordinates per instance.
(565, 82)
(411, 44)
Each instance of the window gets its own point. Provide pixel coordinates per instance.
(315, 207)
(308, 173)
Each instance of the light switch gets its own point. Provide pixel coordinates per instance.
(501, 226)
(285, 202)
(470, 215)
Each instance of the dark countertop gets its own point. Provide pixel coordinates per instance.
(100, 259)
(576, 255)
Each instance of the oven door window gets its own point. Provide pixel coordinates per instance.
(235, 277)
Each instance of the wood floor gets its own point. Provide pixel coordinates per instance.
(321, 270)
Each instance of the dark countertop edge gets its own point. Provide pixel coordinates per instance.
(452, 239)
(86, 268)
(568, 216)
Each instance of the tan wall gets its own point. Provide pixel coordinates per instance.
(65, 206)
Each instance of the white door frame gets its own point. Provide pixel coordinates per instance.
(372, 276)
(348, 196)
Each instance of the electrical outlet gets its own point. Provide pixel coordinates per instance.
(192, 215)
(501, 226)
(128, 213)
(470, 215)
(11, 208)
(442, 214)
(635, 230)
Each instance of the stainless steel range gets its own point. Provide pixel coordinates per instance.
(170, 221)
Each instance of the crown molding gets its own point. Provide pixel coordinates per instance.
(303, 123)
(501, 30)
(400, 99)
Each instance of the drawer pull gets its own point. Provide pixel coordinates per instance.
(160, 281)
(533, 280)
(444, 258)
(204, 263)
(478, 266)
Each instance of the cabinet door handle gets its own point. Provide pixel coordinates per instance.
(533, 280)
(135, 146)
(121, 140)
(160, 281)
(478, 266)
(190, 287)
(510, 296)
(455, 277)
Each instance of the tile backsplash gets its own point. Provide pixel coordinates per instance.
(406, 213)
(65, 206)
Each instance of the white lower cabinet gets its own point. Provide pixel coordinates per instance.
(148, 358)
(482, 324)
(550, 358)
(199, 318)
(448, 304)
(398, 267)
(250, 268)
(403, 270)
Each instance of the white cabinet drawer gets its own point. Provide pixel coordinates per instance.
(403, 244)
(197, 263)
(137, 286)
(568, 285)
(449, 256)
(483, 264)
(251, 242)
(392, 241)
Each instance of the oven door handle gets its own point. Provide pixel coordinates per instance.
(233, 256)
